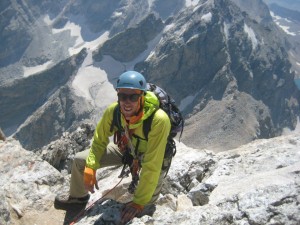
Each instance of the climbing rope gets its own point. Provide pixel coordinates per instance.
(84, 211)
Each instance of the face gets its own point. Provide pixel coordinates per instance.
(129, 101)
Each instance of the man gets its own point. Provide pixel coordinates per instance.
(135, 105)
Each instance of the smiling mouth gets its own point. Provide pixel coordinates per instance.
(127, 109)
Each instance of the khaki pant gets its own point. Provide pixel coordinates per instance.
(112, 157)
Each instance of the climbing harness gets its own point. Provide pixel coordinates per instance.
(131, 158)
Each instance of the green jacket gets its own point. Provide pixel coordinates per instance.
(153, 149)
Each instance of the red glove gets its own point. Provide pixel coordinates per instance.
(130, 210)
(89, 177)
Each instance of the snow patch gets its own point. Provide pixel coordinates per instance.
(286, 29)
(148, 52)
(278, 19)
(207, 17)
(92, 81)
(226, 30)
(251, 74)
(150, 3)
(75, 31)
(28, 71)
(251, 35)
(169, 27)
(90, 77)
(186, 101)
(191, 3)
(47, 20)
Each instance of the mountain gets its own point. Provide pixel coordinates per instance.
(286, 14)
(224, 62)
(288, 4)
(229, 64)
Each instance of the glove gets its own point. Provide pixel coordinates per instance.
(130, 211)
(89, 178)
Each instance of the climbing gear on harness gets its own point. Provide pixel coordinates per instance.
(134, 165)
(130, 158)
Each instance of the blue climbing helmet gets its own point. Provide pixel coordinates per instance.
(132, 80)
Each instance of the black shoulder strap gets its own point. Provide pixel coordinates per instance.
(147, 125)
(116, 119)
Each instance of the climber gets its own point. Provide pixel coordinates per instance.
(146, 155)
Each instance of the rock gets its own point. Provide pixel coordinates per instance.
(60, 153)
(183, 203)
(26, 181)
(5, 217)
(256, 183)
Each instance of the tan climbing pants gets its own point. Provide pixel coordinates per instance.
(112, 157)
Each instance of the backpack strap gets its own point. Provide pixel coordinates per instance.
(147, 125)
(116, 119)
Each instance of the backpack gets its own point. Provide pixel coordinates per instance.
(167, 104)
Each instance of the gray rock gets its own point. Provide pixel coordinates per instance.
(256, 183)
(60, 153)
(26, 181)
(127, 45)
(4, 209)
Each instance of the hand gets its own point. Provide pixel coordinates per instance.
(130, 210)
(89, 177)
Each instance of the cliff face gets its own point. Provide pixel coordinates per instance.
(228, 64)
(22, 97)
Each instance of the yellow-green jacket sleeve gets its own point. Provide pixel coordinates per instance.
(153, 158)
(101, 138)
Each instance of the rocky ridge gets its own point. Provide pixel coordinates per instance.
(257, 183)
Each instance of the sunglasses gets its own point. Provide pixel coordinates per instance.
(133, 97)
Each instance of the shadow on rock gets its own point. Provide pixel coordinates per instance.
(107, 212)
(73, 211)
